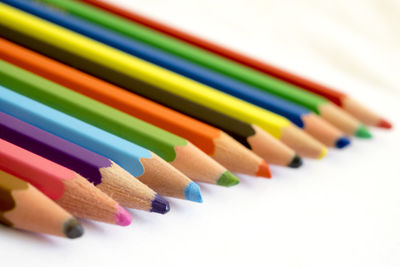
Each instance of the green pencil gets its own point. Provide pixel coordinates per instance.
(174, 149)
(316, 103)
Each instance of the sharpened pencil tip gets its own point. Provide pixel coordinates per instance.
(342, 142)
(73, 228)
(264, 170)
(123, 217)
(296, 162)
(228, 179)
(193, 193)
(159, 205)
(323, 153)
(363, 132)
(384, 124)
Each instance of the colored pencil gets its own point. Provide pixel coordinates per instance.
(303, 147)
(64, 186)
(264, 82)
(251, 136)
(100, 171)
(302, 117)
(176, 150)
(212, 141)
(24, 207)
(358, 110)
(279, 127)
(143, 164)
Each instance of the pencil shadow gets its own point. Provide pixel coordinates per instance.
(281, 172)
(246, 180)
(206, 188)
(180, 205)
(91, 225)
(28, 236)
(175, 205)
(137, 216)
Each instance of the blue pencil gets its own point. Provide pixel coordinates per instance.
(140, 162)
(299, 115)
(98, 170)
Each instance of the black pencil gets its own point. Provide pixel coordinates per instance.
(249, 135)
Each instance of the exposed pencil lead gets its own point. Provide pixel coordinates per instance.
(123, 217)
(73, 229)
(193, 193)
(323, 153)
(228, 179)
(342, 142)
(159, 205)
(264, 170)
(384, 124)
(296, 162)
(363, 132)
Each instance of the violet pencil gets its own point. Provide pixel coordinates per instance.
(100, 171)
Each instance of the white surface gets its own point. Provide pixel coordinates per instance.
(341, 211)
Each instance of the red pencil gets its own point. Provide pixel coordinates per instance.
(358, 110)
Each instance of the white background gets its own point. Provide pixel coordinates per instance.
(341, 211)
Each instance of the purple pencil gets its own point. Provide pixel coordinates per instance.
(100, 171)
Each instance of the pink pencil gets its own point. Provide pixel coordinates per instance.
(67, 188)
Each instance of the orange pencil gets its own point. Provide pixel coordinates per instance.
(214, 142)
(358, 110)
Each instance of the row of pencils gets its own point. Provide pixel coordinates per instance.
(103, 109)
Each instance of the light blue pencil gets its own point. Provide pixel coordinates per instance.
(140, 162)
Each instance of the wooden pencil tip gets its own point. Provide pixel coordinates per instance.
(384, 124)
(73, 229)
(264, 171)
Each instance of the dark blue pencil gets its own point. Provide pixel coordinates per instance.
(297, 114)
(300, 116)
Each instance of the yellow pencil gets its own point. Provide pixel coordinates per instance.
(277, 126)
